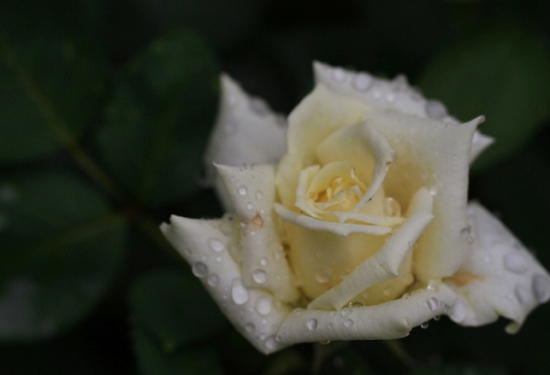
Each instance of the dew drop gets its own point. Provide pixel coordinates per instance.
(249, 327)
(263, 306)
(339, 75)
(425, 325)
(516, 262)
(263, 336)
(362, 82)
(541, 288)
(239, 293)
(200, 269)
(437, 318)
(216, 245)
(259, 276)
(348, 323)
(243, 190)
(270, 343)
(390, 98)
(435, 109)
(259, 106)
(432, 303)
(522, 294)
(213, 280)
(459, 311)
(263, 261)
(218, 258)
(312, 324)
(250, 205)
(346, 312)
(258, 195)
(324, 275)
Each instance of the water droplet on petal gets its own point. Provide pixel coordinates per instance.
(348, 323)
(263, 306)
(437, 318)
(541, 288)
(362, 82)
(516, 262)
(243, 190)
(213, 280)
(324, 275)
(250, 205)
(425, 325)
(216, 245)
(339, 75)
(258, 195)
(230, 127)
(435, 109)
(271, 343)
(200, 269)
(259, 276)
(239, 293)
(259, 106)
(329, 326)
(249, 327)
(346, 312)
(263, 261)
(459, 311)
(312, 324)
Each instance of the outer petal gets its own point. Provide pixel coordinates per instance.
(255, 313)
(264, 265)
(245, 132)
(384, 94)
(316, 117)
(500, 277)
(435, 155)
(386, 321)
(384, 265)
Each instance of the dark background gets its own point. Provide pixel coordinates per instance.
(105, 110)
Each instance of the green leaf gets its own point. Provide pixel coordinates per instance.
(51, 85)
(463, 369)
(61, 250)
(503, 74)
(158, 120)
(175, 308)
(154, 360)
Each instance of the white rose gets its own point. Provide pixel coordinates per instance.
(358, 226)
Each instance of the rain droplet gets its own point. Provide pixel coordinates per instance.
(312, 324)
(348, 323)
(339, 75)
(263, 306)
(239, 293)
(522, 294)
(218, 258)
(516, 262)
(459, 311)
(243, 190)
(259, 276)
(432, 303)
(541, 288)
(263, 261)
(435, 109)
(362, 82)
(271, 343)
(200, 269)
(259, 106)
(324, 275)
(437, 318)
(425, 325)
(390, 97)
(213, 280)
(346, 312)
(249, 327)
(258, 195)
(216, 245)
(250, 205)
(411, 244)
(263, 336)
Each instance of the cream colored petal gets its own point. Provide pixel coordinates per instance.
(435, 155)
(317, 116)
(204, 244)
(384, 265)
(386, 321)
(252, 193)
(246, 131)
(364, 147)
(501, 277)
(304, 181)
(328, 226)
(384, 94)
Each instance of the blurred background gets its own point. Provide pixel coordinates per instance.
(105, 111)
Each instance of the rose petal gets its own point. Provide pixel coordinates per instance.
(316, 117)
(252, 193)
(255, 313)
(390, 320)
(500, 277)
(383, 265)
(246, 131)
(435, 155)
(384, 94)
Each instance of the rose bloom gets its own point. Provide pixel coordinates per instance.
(352, 221)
